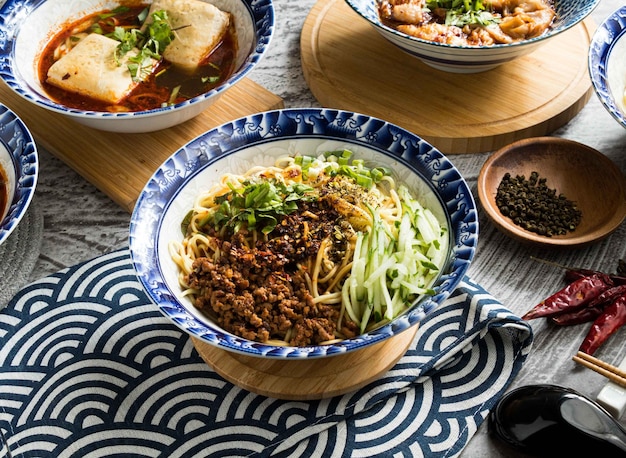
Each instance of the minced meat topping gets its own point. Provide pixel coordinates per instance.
(259, 293)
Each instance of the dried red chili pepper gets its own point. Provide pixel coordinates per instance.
(574, 295)
(592, 310)
(578, 316)
(608, 296)
(574, 274)
(612, 318)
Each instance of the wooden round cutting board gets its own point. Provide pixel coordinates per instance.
(307, 379)
(349, 65)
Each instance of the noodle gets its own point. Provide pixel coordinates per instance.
(308, 251)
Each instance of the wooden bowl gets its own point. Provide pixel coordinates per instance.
(582, 174)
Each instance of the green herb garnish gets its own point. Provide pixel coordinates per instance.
(210, 79)
(465, 12)
(258, 205)
(157, 36)
(345, 165)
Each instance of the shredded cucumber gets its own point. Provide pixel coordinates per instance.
(394, 266)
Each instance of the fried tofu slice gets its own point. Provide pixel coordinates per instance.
(90, 69)
(198, 27)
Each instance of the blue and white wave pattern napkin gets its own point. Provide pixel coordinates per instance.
(90, 367)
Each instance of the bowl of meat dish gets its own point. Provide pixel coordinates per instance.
(607, 64)
(130, 66)
(471, 36)
(552, 192)
(19, 169)
(302, 233)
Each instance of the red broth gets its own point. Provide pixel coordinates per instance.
(155, 91)
(4, 191)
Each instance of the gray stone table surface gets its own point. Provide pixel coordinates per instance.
(80, 223)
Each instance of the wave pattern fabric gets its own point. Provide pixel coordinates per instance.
(90, 367)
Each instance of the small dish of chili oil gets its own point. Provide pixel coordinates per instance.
(559, 192)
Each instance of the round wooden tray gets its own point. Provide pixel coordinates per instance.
(349, 65)
(307, 379)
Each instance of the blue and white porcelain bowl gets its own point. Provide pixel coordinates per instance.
(27, 25)
(607, 64)
(470, 59)
(259, 139)
(20, 170)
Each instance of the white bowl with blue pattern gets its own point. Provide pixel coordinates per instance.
(607, 64)
(473, 59)
(27, 25)
(259, 139)
(20, 164)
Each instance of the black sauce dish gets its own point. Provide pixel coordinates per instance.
(552, 421)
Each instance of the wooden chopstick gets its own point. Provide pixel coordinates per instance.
(611, 372)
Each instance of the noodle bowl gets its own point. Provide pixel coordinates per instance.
(262, 140)
(309, 250)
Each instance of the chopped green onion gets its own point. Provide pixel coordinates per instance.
(184, 225)
(173, 95)
(210, 79)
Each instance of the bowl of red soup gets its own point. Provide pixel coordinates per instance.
(302, 233)
(19, 169)
(130, 65)
(471, 36)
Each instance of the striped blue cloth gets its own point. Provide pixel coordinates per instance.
(90, 367)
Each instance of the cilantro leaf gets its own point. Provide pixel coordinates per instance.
(465, 12)
(259, 205)
(151, 43)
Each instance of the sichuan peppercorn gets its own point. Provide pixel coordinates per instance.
(533, 206)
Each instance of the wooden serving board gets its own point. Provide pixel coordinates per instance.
(349, 65)
(307, 379)
(121, 164)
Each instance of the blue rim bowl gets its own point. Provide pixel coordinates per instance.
(473, 59)
(27, 25)
(19, 159)
(261, 138)
(607, 64)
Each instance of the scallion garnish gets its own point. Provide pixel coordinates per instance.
(464, 12)
(258, 204)
(341, 163)
(173, 95)
(150, 44)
